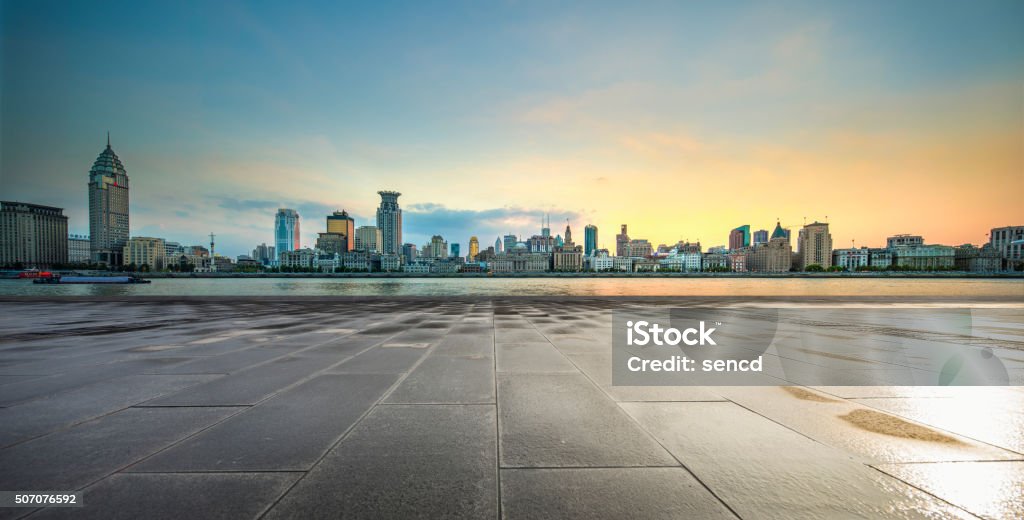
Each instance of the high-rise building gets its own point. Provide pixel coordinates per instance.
(456, 250)
(437, 248)
(409, 252)
(264, 254)
(589, 239)
(474, 248)
(739, 238)
(814, 246)
(497, 246)
(369, 239)
(32, 235)
(286, 231)
(773, 256)
(332, 243)
(79, 247)
(389, 221)
(108, 208)
(904, 240)
(340, 222)
(622, 243)
(1009, 242)
(509, 242)
(760, 236)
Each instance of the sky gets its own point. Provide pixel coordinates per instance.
(681, 119)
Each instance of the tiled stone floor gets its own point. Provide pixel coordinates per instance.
(473, 408)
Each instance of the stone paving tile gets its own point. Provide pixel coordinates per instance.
(340, 348)
(612, 493)
(403, 462)
(225, 363)
(871, 435)
(78, 377)
(41, 416)
(73, 458)
(995, 420)
(764, 470)
(598, 367)
(563, 420)
(290, 431)
(246, 387)
(394, 360)
(157, 496)
(531, 358)
(448, 380)
(466, 345)
(987, 489)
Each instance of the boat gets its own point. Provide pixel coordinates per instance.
(34, 273)
(57, 279)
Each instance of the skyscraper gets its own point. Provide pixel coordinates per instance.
(497, 245)
(456, 250)
(340, 222)
(286, 231)
(739, 238)
(815, 245)
(108, 208)
(589, 239)
(622, 243)
(760, 236)
(369, 239)
(474, 248)
(409, 252)
(389, 221)
(509, 242)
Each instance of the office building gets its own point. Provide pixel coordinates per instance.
(760, 236)
(108, 208)
(32, 235)
(904, 240)
(340, 222)
(622, 243)
(369, 239)
(814, 246)
(287, 236)
(474, 248)
(739, 238)
(389, 221)
(145, 251)
(589, 239)
(79, 247)
(332, 243)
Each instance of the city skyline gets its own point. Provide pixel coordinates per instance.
(735, 116)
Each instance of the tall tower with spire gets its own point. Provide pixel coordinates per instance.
(389, 221)
(108, 208)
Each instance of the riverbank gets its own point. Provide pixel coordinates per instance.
(958, 274)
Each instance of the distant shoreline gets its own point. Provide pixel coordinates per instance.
(867, 275)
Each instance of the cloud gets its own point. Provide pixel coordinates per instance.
(422, 220)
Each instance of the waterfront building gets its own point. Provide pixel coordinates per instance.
(418, 266)
(879, 258)
(472, 267)
(369, 239)
(520, 260)
(852, 258)
(739, 238)
(474, 248)
(814, 246)
(541, 244)
(589, 239)
(982, 259)
(682, 261)
(246, 262)
(645, 265)
(599, 261)
(568, 256)
(622, 263)
(456, 249)
(389, 221)
(904, 240)
(341, 222)
(773, 256)
(145, 251)
(332, 243)
(358, 261)
(223, 264)
(639, 248)
(108, 208)
(622, 243)
(327, 262)
(264, 254)
(302, 258)
(714, 261)
(760, 236)
(718, 250)
(738, 261)
(189, 262)
(287, 236)
(408, 253)
(173, 250)
(32, 235)
(448, 265)
(79, 248)
(390, 263)
(1007, 241)
(924, 257)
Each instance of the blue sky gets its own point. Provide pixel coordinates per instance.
(683, 119)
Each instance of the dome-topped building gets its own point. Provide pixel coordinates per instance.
(108, 208)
